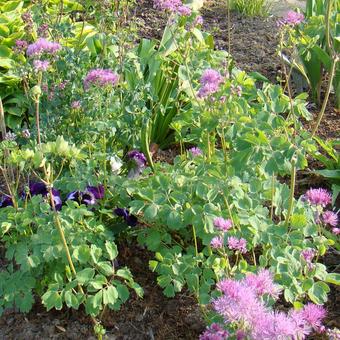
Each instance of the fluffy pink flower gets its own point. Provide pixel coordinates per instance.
(167, 5)
(222, 224)
(292, 19)
(214, 332)
(76, 105)
(41, 65)
(100, 77)
(195, 151)
(313, 315)
(184, 11)
(237, 244)
(330, 217)
(216, 242)
(198, 21)
(318, 197)
(336, 231)
(308, 254)
(210, 82)
(42, 46)
(241, 306)
(20, 46)
(263, 283)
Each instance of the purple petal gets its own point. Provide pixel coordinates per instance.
(97, 192)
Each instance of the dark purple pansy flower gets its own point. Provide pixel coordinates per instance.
(131, 220)
(121, 212)
(58, 203)
(97, 192)
(138, 163)
(138, 157)
(5, 201)
(82, 197)
(39, 188)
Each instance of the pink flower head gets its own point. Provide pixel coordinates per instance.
(43, 30)
(240, 334)
(195, 151)
(101, 78)
(20, 46)
(41, 65)
(76, 105)
(330, 217)
(318, 197)
(237, 244)
(210, 82)
(263, 283)
(214, 332)
(313, 315)
(242, 306)
(167, 5)
(292, 19)
(222, 224)
(184, 11)
(308, 255)
(336, 231)
(198, 21)
(42, 46)
(216, 242)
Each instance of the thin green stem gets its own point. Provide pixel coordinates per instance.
(328, 91)
(292, 190)
(272, 197)
(195, 239)
(328, 24)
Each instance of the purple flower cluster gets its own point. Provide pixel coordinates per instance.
(101, 78)
(214, 332)
(320, 198)
(195, 151)
(87, 197)
(43, 31)
(131, 220)
(292, 19)
(242, 306)
(210, 82)
(198, 21)
(137, 163)
(223, 224)
(308, 255)
(237, 244)
(20, 46)
(173, 6)
(42, 46)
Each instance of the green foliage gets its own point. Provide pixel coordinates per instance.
(251, 140)
(252, 8)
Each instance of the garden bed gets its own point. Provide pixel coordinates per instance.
(253, 47)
